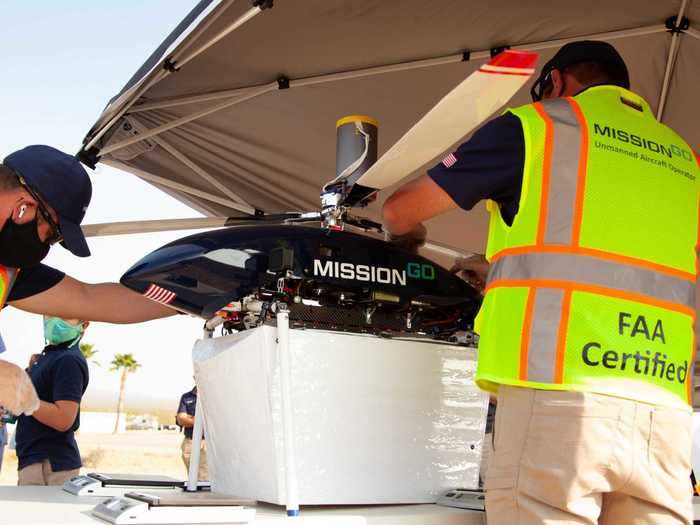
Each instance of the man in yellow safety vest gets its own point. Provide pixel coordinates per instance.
(586, 328)
(44, 194)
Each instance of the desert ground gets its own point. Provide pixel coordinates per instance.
(134, 451)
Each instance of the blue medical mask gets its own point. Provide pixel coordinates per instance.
(58, 331)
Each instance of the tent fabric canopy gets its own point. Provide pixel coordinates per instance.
(236, 110)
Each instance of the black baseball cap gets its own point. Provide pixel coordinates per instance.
(62, 183)
(583, 51)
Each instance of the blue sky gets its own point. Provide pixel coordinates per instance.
(60, 62)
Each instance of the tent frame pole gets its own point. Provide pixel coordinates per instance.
(162, 73)
(693, 32)
(188, 118)
(243, 94)
(173, 64)
(167, 146)
(670, 62)
(245, 17)
(167, 102)
(192, 38)
(155, 179)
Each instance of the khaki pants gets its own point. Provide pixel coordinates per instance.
(43, 474)
(186, 448)
(583, 458)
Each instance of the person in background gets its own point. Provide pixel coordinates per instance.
(185, 419)
(3, 441)
(47, 452)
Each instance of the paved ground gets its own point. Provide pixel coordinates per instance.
(136, 452)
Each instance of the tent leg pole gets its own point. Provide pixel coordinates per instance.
(670, 63)
(198, 430)
(195, 458)
(292, 490)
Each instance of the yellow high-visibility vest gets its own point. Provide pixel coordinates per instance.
(7, 279)
(592, 288)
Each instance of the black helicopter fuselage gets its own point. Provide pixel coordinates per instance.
(203, 273)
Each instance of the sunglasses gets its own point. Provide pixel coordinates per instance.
(55, 232)
(542, 85)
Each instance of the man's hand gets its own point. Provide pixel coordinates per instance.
(473, 269)
(184, 420)
(410, 241)
(17, 393)
(34, 359)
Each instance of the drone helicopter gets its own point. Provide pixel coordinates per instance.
(326, 276)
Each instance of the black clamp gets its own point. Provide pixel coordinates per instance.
(498, 50)
(89, 157)
(466, 55)
(170, 65)
(282, 82)
(263, 4)
(682, 26)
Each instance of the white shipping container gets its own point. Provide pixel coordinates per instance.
(375, 420)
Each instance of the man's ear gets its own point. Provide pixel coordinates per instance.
(24, 210)
(557, 83)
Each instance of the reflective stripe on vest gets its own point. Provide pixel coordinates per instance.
(553, 277)
(668, 291)
(561, 281)
(563, 156)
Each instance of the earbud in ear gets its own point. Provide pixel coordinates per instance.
(22, 209)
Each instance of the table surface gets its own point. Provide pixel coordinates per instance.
(31, 505)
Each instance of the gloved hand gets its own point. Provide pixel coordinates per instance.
(473, 269)
(410, 241)
(17, 394)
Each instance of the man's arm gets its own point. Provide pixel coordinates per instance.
(107, 302)
(59, 415)
(415, 202)
(184, 420)
(69, 379)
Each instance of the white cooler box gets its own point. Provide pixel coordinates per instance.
(375, 420)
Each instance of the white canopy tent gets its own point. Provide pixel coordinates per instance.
(234, 114)
(235, 111)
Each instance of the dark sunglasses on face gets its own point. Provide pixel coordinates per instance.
(55, 231)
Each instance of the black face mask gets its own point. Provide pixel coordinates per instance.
(20, 245)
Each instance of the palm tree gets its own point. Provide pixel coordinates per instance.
(126, 363)
(88, 351)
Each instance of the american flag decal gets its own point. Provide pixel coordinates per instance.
(159, 295)
(449, 160)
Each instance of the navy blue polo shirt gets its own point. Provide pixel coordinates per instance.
(188, 403)
(32, 281)
(60, 374)
(488, 166)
